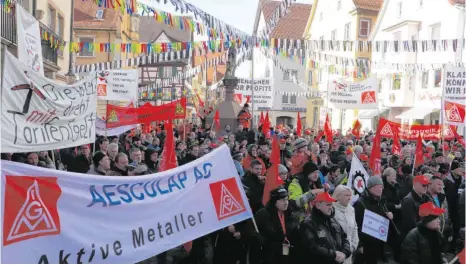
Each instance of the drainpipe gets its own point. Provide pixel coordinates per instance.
(70, 73)
(34, 7)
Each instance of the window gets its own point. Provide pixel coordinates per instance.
(285, 99)
(51, 21)
(339, 4)
(267, 72)
(288, 75)
(99, 14)
(435, 32)
(364, 27)
(364, 65)
(425, 79)
(400, 8)
(61, 26)
(309, 78)
(347, 31)
(293, 99)
(334, 34)
(397, 39)
(86, 50)
(396, 82)
(380, 83)
(320, 77)
(438, 78)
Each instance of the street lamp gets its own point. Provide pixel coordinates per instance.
(71, 75)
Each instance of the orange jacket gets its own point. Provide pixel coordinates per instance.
(244, 118)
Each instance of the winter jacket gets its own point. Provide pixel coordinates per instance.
(244, 118)
(321, 237)
(299, 190)
(187, 159)
(405, 185)
(254, 191)
(445, 223)
(452, 189)
(80, 164)
(272, 236)
(422, 246)
(347, 219)
(409, 211)
(117, 172)
(94, 171)
(462, 206)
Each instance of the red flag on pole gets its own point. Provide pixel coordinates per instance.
(375, 159)
(217, 120)
(299, 126)
(261, 121)
(419, 155)
(458, 137)
(317, 139)
(273, 179)
(328, 130)
(356, 131)
(396, 147)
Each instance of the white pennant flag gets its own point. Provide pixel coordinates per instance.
(357, 178)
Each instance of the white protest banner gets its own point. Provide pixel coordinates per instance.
(101, 128)
(454, 95)
(263, 93)
(357, 178)
(64, 217)
(353, 95)
(39, 114)
(375, 225)
(29, 41)
(117, 84)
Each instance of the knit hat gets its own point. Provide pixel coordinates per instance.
(278, 193)
(299, 143)
(309, 168)
(282, 169)
(444, 167)
(438, 154)
(455, 164)
(250, 148)
(374, 181)
(97, 157)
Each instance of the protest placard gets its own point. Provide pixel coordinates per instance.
(263, 92)
(454, 95)
(63, 217)
(353, 95)
(39, 114)
(119, 85)
(375, 225)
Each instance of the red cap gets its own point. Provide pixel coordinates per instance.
(446, 146)
(213, 145)
(429, 208)
(364, 157)
(421, 179)
(427, 155)
(282, 141)
(349, 151)
(307, 131)
(324, 197)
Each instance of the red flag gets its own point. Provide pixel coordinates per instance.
(266, 126)
(328, 130)
(300, 127)
(419, 155)
(461, 256)
(317, 139)
(396, 147)
(272, 179)
(201, 103)
(261, 121)
(458, 137)
(375, 159)
(356, 131)
(248, 98)
(217, 120)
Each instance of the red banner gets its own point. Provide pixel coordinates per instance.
(120, 116)
(410, 132)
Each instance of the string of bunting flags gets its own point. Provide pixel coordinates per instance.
(123, 6)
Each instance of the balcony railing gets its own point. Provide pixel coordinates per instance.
(8, 33)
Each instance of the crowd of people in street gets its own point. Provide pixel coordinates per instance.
(312, 217)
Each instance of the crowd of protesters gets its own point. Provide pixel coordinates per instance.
(311, 217)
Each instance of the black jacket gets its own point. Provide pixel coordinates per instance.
(405, 184)
(272, 236)
(409, 211)
(254, 191)
(452, 186)
(321, 236)
(391, 193)
(422, 246)
(187, 159)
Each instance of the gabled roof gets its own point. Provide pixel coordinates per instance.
(457, 2)
(374, 5)
(293, 25)
(150, 29)
(85, 16)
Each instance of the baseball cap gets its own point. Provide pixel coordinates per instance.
(421, 179)
(364, 157)
(324, 197)
(429, 208)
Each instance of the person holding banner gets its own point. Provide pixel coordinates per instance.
(424, 244)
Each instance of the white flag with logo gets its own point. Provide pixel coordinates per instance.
(52, 216)
(357, 178)
(29, 41)
(353, 95)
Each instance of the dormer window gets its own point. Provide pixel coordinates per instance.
(99, 14)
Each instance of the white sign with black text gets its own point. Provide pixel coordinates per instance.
(375, 225)
(454, 95)
(117, 85)
(263, 93)
(39, 114)
(353, 95)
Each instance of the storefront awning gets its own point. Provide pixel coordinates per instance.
(415, 113)
(370, 113)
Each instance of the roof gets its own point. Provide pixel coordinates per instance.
(85, 12)
(291, 26)
(457, 2)
(374, 5)
(268, 7)
(221, 67)
(150, 29)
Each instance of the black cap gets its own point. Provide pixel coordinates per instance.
(438, 154)
(444, 168)
(278, 193)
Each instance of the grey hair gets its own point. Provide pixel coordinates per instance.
(339, 190)
(358, 149)
(388, 171)
(112, 146)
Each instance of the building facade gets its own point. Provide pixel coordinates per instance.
(414, 97)
(54, 18)
(355, 22)
(286, 100)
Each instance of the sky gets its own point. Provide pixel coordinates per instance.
(238, 13)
